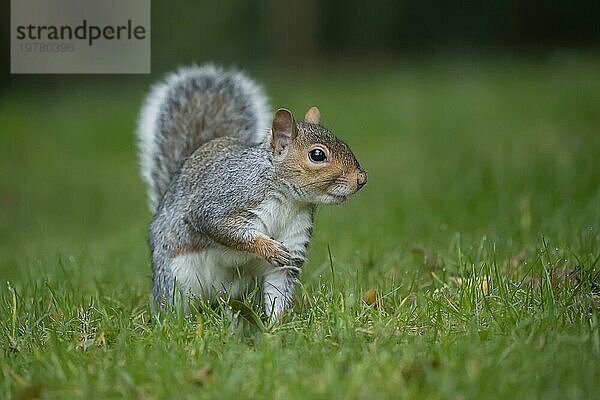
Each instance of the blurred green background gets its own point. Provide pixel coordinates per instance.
(274, 34)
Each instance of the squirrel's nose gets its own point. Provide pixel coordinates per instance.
(361, 179)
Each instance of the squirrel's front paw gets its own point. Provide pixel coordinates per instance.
(271, 250)
(280, 256)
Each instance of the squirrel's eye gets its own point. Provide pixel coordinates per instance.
(317, 155)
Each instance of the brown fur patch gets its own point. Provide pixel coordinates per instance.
(186, 250)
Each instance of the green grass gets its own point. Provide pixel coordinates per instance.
(479, 230)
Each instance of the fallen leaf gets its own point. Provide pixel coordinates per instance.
(371, 298)
(248, 314)
(484, 286)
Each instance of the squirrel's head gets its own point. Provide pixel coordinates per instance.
(315, 165)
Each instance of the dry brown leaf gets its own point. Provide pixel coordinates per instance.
(559, 277)
(484, 286)
(371, 297)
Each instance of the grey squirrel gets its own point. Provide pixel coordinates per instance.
(233, 195)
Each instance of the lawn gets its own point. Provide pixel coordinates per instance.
(476, 245)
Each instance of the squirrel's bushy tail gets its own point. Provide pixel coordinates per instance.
(189, 108)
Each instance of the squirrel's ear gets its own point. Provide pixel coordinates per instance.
(313, 116)
(284, 131)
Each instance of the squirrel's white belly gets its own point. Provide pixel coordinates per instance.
(220, 270)
(217, 271)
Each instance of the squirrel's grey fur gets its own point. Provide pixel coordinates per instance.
(189, 108)
(233, 199)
